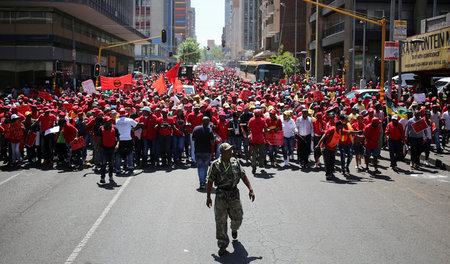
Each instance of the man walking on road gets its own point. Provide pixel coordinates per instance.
(225, 173)
(203, 139)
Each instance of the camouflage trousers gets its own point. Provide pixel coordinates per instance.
(227, 204)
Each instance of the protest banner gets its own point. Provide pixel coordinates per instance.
(420, 126)
(275, 139)
(78, 143)
(88, 86)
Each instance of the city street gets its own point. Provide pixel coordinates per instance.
(159, 217)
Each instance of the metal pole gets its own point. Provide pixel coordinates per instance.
(74, 57)
(364, 51)
(400, 43)
(391, 35)
(295, 44)
(353, 45)
(434, 8)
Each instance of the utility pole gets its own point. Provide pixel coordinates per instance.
(295, 43)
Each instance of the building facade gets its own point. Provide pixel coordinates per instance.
(40, 38)
(332, 47)
(152, 16)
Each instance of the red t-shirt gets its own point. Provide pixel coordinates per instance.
(371, 135)
(195, 120)
(180, 124)
(272, 124)
(395, 132)
(164, 126)
(47, 121)
(256, 126)
(222, 129)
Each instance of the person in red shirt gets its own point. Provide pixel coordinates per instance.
(147, 122)
(345, 147)
(396, 138)
(273, 126)
(358, 146)
(222, 131)
(164, 127)
(371, 134)
(47, 121)
(16, 132)
(194, 119)
(319, 129)
(257, 127)
(331, 139)
(179, 132)
(67, 133)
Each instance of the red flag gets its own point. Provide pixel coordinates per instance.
(177, 86)
(114, 83)
(160, 85)
(173, 73)
(45, 95)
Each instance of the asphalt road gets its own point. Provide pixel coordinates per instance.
(150, 216)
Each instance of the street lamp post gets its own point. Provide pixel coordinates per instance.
(363, 77)
(295, 39)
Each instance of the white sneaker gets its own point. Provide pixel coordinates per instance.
(427, 163)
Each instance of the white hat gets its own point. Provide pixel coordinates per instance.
(14, 116)
(395, 117)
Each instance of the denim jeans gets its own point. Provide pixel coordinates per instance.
(395, 151)
(236, 142)
(436, 138)
(178, 147)
(273, 150)
(346, 153)
(107, 157)
(192, 149)
(288, 146)
(203, 160)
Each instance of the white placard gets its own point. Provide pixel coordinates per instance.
(419, 97)
(52, 130)
(390, 50)
(400, 30)
(203, 77)
(89, 86)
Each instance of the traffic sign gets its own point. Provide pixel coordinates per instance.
(400, 30)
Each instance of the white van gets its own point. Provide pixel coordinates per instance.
(408, 79)
(442, 84)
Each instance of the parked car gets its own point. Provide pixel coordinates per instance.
(363, 92)
(188, 89)
(408, 80)
(443, 84)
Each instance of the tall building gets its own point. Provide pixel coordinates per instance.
(245, 29)
(278, 27)
(329, 35)
(227, 29)
(152, 16)
(211, 43)
(38, 38)
(191, 23)
(181, 20)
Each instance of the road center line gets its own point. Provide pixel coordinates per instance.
(97, 223)
(10, 178)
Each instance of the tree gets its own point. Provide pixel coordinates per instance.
(285, 59)
(215, 54)
(188, 46)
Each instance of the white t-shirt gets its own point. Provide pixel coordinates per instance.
(446, 118)
(124, 125)
(289, 128)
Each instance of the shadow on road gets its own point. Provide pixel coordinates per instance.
(264, 175)
(239, 255)
(108, 186)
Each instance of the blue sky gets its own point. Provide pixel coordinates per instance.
(209, 20)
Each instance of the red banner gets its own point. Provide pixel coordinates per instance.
(77, 144)
(128, 87)
(114, 83)
(173, 73)
(30, 139)
(275, 139)
(420, 126)
(45, 96)
(318, 96)
(160, 85)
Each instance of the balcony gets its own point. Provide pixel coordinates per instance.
(271, 30)
(336, 28)
(270, 9)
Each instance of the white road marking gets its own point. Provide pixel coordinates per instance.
(97, 223)
(10, 178)
(440, 178)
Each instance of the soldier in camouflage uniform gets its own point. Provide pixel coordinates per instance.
(225, 173)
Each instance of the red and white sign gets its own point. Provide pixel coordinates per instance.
(391, 50)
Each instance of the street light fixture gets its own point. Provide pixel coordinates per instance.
(400, 44)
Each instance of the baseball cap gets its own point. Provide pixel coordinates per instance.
(395, 117)
(224, 147)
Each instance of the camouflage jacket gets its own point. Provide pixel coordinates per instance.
(225, 176)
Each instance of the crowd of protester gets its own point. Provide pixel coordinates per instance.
(142, 128)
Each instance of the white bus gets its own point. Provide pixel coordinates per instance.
(256, 71)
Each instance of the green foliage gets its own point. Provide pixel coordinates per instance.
(188, 46)
(215, 54)
(286, 59)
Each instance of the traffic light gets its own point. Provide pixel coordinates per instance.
(377, 70)
(308, 64)
(207, 48)
(163, 36)
(223, 43)
(97, 70)
(57, 66)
